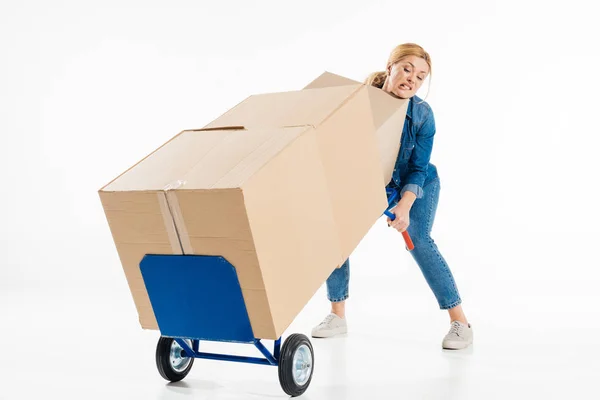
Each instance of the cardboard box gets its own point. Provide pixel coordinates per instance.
(283, 185)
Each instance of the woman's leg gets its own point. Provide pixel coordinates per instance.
(337, 289)
(435, 269)
(337, 293)
(427, 255)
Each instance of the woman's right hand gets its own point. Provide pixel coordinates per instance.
(402, 220)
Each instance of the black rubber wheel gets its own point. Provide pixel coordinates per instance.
(296, 362)
(171, 365)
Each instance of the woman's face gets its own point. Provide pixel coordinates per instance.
(406, 77)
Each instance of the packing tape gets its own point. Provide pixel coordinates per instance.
(169, 223)
(174, 185)
(173, 217)
(184, 238)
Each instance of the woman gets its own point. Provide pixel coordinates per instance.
(418, 183)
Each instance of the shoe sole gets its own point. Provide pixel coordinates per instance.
(456, 346)
(328, 334)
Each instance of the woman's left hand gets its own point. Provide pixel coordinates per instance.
(402, 220)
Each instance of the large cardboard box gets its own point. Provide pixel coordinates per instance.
(283, 185)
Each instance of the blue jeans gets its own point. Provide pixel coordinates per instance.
(426, 254)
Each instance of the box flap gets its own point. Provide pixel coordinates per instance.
(237, 158)
(328, 79)
(384, 106)
(388, 113)
(206, 159)
(287, 109)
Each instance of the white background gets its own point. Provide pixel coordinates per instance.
(89, 88)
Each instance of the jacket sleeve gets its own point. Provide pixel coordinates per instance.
(419, 159)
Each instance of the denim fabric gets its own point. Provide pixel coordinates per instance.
(338, 283)
(426, 254)
(413, 169)
(415, 173)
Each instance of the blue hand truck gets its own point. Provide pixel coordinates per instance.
(198, 298)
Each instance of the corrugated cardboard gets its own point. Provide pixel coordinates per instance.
(283, 185)
(388, 117)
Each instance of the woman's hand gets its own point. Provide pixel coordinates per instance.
(402, 220)
(402, 211)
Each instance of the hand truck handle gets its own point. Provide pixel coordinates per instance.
(405, 235)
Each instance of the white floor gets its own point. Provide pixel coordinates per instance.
(85, 344)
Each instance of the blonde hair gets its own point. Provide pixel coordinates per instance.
(378, 78)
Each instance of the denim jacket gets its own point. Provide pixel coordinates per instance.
(413, 169)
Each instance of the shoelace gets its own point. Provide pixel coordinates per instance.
(327, 320)
(456, 328)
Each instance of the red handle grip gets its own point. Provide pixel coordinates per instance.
(408, 240)
(405, 235)
(392, 194)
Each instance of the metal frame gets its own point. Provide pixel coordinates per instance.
(201, 289)
(269, 359)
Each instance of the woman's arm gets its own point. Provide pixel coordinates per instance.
(417, 166)
(420, 157)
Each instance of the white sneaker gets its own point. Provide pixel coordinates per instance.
(459, 337)
(332, 325)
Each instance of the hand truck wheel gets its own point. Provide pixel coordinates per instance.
(170, 360)
(295, 365)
